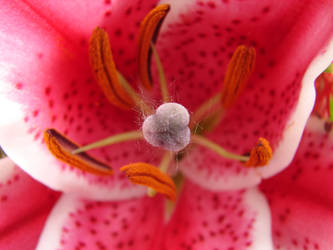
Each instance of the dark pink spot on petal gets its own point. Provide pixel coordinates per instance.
(19, 85)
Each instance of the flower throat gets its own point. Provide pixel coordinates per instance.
(170, 126)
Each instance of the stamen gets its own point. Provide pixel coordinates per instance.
(165, 162)
(205, 108)
(128, 136)
(209, 123)
(104, 69)
(163, 82)
(200, 140)
(149, 30)
(150, 176)
(238, 72)
(139, 102)
(61, 147)
(260, 154)
(329, 69)
(2, 154)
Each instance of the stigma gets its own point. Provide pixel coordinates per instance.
(168, 127)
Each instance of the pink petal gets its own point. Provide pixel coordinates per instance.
(76, 224)
(301, 197)
(293, 46)
(24, 206)
(46, 81)
(232, 220)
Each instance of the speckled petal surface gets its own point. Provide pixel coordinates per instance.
(294, 44)
(24, 207)
(46, 81)
(301, 197)
(232, 220)
(82, 224)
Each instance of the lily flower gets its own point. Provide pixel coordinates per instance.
(256, 67)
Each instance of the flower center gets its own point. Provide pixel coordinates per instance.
(169, 127)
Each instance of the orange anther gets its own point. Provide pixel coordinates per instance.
(105, 71)
(260, 154)
(150, 176)
(61, 147)
(238, 72)
(148, 34)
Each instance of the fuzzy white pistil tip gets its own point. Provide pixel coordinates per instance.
(168, 127)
